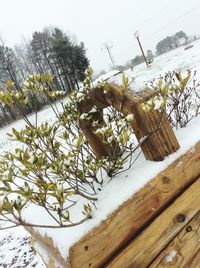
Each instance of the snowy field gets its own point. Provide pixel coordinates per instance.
(128, 183)
(15, 244)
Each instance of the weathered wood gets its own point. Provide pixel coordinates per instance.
(124, 224)
(154, 239)
(160, 139)
(194, 262)
(184, 249)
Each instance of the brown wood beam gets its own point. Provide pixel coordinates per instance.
(184, 250)
(162, 230)
(124, 224)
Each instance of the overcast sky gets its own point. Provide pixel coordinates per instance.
(97, 21)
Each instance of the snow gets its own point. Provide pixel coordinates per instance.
(16, 250)
(158, 103)
(118, 190)
(15, 244)
(123, 186)
(170, 256)
(46, 256)
(107, 76)
(130, 117)
(175, 60)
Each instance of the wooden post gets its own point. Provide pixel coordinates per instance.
(146, 247)
(101, 149)
(155, 127)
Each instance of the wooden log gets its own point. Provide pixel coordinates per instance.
(124, 224)
(161, 140)
(184, 250)
(143, 250)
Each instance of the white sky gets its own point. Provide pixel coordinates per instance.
(95, 22)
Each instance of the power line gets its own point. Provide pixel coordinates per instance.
(148, 19)
(166, 25)
(179, 17)
(108, 47)
(154, 15)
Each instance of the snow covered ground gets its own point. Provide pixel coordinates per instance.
(128, 182)
(15, 244)
(16, 250)
(178, 60)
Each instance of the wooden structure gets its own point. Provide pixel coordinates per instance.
(154, 126)
(158, 227)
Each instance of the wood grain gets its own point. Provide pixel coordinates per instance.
(194, 262)
(124, 224)
(186, 246)
(154, 239)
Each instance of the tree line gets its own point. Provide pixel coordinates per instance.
(171, 42)
(50, 51)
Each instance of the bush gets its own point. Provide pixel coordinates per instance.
(177, 96)
(56, 169)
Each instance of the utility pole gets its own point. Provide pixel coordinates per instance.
(108, 49)
(136, 34)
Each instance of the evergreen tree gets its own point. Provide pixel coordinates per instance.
(178, 36)
(54, 53)
(50, 51)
